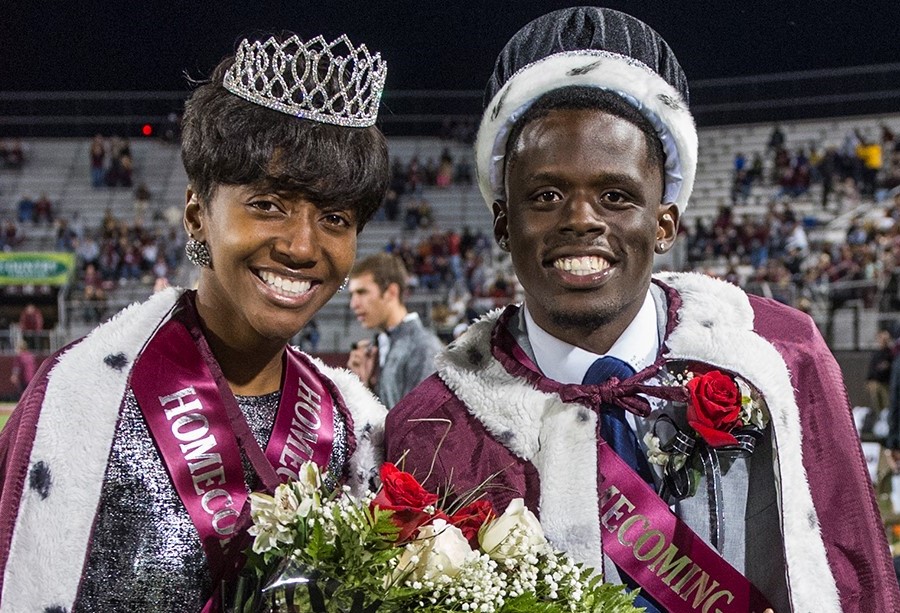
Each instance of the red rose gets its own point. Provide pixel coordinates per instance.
(402, 494)
(470, 518)
(715, 406)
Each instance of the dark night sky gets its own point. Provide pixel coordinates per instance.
(148, 45)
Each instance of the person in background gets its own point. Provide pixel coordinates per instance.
(678, 434)
(97, 155)
(878, 379)
(403, 353)
(125, 471)
(31, 325)
(24, 367)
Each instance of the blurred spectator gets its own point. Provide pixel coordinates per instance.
(142, 197)
(878, 378)
(93, 294)
(444, 175)
(463, 173)
(31, 325)
(12, 155)
(391, 205)
(25, 209)
(65, 236)
(97, 154)
(870, 156)
(120, 168)
(776, 138)
(25, 365)
(310, 336)
(43, 209)
(12, 235)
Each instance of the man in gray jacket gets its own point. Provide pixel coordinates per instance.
(403, 354)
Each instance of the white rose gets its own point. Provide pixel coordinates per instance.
(511, 534)
(438, 549)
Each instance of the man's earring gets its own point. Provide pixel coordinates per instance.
(503, 243)
(198, 253)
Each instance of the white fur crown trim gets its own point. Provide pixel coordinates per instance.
(658, 101)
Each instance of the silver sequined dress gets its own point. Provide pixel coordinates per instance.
(145, 553)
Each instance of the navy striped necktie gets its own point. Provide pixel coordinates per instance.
(614, 428)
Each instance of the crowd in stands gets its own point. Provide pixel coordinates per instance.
(110, 162)
(405, 196)
(122, 253)
(769, 252)
(862, 166)
(126, 248)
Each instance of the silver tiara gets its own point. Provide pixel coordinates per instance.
(310, 80)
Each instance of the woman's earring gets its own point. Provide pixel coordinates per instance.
(344, 284)
(503, 243)
(198, 253)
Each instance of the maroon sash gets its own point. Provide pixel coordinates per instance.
(661, 553)
(199, 430)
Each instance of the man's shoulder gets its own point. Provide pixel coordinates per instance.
(422, 401)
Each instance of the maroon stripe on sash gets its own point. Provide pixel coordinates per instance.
(183, 410)
(304, 427)
(660, 552)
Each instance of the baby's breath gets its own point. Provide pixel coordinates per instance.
(342, 538)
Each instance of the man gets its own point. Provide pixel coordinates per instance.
(878, 379)
(734, 480)
(405, 349)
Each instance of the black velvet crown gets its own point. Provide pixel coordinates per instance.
(586, 27)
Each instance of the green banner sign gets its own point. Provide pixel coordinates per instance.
(36, 268)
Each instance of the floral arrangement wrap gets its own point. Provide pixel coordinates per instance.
(403, 550)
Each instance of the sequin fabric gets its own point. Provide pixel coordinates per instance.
(145, 553)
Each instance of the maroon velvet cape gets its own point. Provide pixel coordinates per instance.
(842, 494)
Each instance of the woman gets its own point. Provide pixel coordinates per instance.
(126, 465)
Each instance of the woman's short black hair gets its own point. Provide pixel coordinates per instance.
(227, 140)
(579, 97)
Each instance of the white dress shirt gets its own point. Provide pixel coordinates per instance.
(565, 363)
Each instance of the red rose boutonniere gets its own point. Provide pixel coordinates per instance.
(715, 407)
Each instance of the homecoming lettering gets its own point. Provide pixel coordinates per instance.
(198, 448)
(649, 546)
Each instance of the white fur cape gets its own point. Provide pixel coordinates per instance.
(78, 419)
(715, 327)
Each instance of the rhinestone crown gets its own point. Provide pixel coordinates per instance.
(310, 80)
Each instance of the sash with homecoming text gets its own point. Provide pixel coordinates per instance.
(199, 430)
(660, 552)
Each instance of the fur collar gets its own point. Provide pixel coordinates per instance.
(715, 326)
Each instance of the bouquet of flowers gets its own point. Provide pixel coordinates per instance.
(399, 550)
